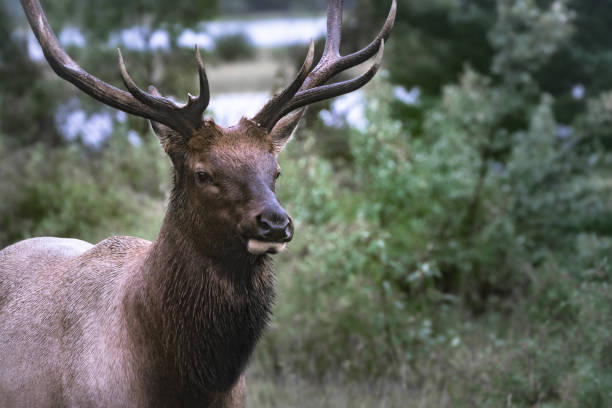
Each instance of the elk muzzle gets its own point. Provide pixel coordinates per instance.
(271, 229)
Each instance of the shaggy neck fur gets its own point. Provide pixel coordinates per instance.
(199, 317)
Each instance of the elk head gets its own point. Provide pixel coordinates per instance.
(224, 188)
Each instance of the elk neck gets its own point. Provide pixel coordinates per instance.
(197, 316)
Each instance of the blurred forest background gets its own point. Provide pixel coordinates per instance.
(454, 230)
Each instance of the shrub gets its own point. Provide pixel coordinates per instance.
(232, 47)
(64, 192)
(429, 231)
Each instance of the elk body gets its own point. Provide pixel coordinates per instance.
(133, 323)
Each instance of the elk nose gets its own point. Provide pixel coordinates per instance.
(274, 225)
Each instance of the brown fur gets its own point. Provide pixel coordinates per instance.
(130, 323)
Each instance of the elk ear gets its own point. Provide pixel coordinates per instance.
(168, 137)
(281, 132)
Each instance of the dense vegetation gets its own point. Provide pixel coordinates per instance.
(455, 252)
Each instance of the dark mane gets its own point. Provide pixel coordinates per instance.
(207, 315)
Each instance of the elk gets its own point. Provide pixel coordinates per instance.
(133, 323)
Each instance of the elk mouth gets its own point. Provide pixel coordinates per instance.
(257, 247)
(267, 242)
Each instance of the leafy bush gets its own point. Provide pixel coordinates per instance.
(63, 192)
(559, 353)
(463, 220)
(234, 47)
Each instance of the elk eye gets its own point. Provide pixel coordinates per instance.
(203, 177)
(277, 175)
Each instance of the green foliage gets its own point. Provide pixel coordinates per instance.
(561, 44)
(564, 360)
(258, 6)
(525, 37)
(26, 104)
(317, 204)
(595, 127)
(61, 192)
(477, 214)
(438, 38)
(234, 47)
(103, 18)
(389, 276)
(489, 208)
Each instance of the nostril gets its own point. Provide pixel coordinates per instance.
(288, 232)
(273, 225)
(285, 223)
(262, 223)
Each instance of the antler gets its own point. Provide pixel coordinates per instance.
(184, 119)
(308, 86)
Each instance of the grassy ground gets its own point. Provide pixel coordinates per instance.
(294, 391)
(456, 377)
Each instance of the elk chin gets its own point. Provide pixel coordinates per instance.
(256, 247)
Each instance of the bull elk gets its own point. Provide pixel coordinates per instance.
(132, 323)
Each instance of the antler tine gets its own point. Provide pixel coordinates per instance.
(327, 68)
(136, 102)
(196, 105)
(190, 114)
(268, 115)
(312, 88)
(334, 29)
(185, 118)
(69, 70)
(154, 101)
(203, 99)
(320, 93)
